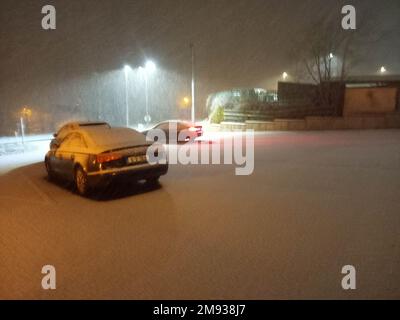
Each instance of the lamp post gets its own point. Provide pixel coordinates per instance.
(193, 83)
(25, 113)
(331, 56)
(127, 68)
(149, 68)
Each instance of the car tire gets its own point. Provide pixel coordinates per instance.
(81, 181)
(50, 173)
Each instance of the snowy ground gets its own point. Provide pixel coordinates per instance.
(317, 201)
(14, 153)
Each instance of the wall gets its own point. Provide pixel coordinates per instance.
(369, 101)
(391, 121)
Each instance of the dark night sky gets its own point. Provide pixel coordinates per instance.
(239, 43)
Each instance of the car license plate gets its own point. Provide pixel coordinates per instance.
(136, 159)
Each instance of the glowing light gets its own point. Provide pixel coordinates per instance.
(150, 66)
(331, 56)
(285, 75)
(383, 69)
(127, 68)
(26, 111)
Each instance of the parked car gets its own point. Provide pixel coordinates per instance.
(70, 126)
(94, 155)
(180, 131)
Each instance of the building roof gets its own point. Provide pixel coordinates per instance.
(371, 78)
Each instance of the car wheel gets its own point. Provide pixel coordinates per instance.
(50, 173)
(81, 181)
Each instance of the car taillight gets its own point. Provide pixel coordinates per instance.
(196, 129)
(107, 157)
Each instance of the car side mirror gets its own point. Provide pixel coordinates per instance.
(54, 144)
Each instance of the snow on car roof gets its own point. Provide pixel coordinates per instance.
(74, 125)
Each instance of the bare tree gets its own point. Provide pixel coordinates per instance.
(326, 53)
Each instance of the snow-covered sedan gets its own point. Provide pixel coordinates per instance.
(92, 156)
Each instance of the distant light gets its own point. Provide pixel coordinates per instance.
(285, 75)
(26, 111)
(150, 66)
(147, 118)
(383, 70)
(127, 68)
(331, 56)
(259, 91)
(186, 100)
(237, 94)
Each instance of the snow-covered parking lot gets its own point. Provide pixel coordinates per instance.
(317, 201)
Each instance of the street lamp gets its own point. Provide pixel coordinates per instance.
(127, 68)
(26, 112)
(186, 101)
(285, 75)
(149, 68)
